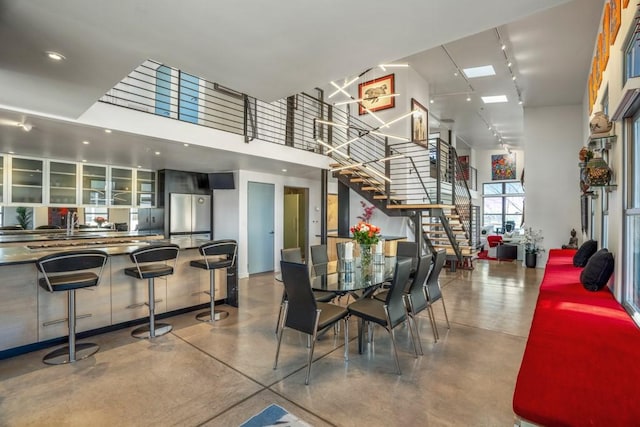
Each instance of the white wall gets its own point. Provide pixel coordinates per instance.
(226, 205)
(553, 137)
(279, 181)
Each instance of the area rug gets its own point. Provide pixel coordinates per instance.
(274, 415)
(484, 255)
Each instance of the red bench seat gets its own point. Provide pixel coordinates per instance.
(581, 365)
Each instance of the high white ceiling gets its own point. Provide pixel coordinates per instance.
(274, 49)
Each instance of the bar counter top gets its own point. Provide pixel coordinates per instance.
(51, 235)
(30, 253)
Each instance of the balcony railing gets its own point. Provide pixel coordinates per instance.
(426, 174)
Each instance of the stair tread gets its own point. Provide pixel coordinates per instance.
(417, 206)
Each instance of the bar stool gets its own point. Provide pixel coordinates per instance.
(228, 248)
(73, 261)
(143, 258)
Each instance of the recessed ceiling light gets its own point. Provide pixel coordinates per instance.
(509, 64)
(185, 144)
(107, 131)
(513, 78)
(86, 142)
(455, 74)
(55, 55)
(139, 166)
(157, 153)
(494, 99)
(485, 70)
(84, 160)
(520, 102)
(503, 47)
(12, 152)
(431, 101)
(284, 170)
(468, 98)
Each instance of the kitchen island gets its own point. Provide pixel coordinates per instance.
(33, 317)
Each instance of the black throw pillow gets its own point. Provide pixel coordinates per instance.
(598, 270)
(585, 252)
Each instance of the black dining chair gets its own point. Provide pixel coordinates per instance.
(416, 297)
(434, 293)
(389, 313)
(303, 313)
(319, 254)
(293, 255)
(408, 250)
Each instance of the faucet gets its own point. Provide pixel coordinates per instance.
(72, 221)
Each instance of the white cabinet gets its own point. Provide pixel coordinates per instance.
(94, 185)
(27, 180)
(63, 183)
(18, 306)
(121, 187)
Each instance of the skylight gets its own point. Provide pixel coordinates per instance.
(473, 72)
(494, 99)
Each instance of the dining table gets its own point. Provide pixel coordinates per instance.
(350, 277)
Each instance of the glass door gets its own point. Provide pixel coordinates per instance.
(94, 185)
(63, 183)
(26, 180)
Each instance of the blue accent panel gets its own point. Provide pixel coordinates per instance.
(189, 95)
(163, 91)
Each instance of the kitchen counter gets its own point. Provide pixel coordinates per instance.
(49, 235)
(32, 315)
(30, 253)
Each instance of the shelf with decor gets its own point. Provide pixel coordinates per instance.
(145, 188)
(121, 187)
(601, 143)
(63, 183)
(26, 180)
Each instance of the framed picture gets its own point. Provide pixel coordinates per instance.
(419, 122)
(615, 19)
(590, 88)
(503, 166)
(464, 163)
(372, 94)
(604, 41)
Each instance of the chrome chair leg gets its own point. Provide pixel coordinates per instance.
(280, 332)
(313, 345)
(346, 339)
(393, 340)
(445, 313)
(432, 316)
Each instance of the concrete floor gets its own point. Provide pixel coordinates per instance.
(221, 375)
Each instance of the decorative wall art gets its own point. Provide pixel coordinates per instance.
(616, 19)
(372, 94)
(503, 166)
(605, 41)
(419, 122)
(464, 164)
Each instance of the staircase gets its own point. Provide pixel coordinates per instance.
(423, 182)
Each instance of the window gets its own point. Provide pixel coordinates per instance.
(632, 59)
(503, 204)
(631, 286)
(92, 214)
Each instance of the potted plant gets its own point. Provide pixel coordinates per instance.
(23, 216)
(531, 241)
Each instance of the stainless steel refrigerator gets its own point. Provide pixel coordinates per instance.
(190, 214)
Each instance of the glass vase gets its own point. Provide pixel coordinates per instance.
(365, 256)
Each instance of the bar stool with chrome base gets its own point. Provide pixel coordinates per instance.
(228, 248)
(144, 269)
(71, 262)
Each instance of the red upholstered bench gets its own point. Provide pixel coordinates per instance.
(581, 365)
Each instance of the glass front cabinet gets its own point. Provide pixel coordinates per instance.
(32, 181)
(121, 187)
(145, 188)
(26, 181)
(63, 183)
(94, 185)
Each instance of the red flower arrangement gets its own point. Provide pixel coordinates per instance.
(365, 233)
